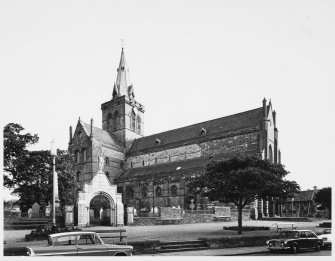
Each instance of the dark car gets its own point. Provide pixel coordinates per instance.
(79, 244)
(295, 240)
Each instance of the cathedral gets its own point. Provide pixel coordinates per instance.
(119, 167)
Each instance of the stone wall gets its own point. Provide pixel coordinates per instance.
(232, 144)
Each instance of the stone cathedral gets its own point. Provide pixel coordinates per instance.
(117, 166)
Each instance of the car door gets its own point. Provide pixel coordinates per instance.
(90, 245)
(64, 246)
(303, 240)
(312, 239)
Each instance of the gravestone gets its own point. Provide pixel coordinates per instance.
(130, 215)
(48, 211)
(29, 212)
(69, 214)
(35, 210)
(222, 211)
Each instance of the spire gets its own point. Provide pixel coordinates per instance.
(122, 77)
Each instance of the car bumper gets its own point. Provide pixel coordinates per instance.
(278, 248)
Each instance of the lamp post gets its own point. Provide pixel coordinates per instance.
(53, 152)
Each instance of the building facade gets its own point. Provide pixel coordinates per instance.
(153, 171)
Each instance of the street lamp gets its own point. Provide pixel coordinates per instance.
(53, 152)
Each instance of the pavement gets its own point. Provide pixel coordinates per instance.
(236, 251)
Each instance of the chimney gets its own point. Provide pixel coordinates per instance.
(70, 134)
(315, 189)
(264, 108)
(91, 127)
(274, 118)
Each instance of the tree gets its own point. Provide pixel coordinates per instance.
(241, 180)
(324, 197)
(34, 180)
(15, 145)
(30, 172)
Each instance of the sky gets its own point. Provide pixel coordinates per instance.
(189, 61)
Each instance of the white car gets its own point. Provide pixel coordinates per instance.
(326, 237)
(79, 243)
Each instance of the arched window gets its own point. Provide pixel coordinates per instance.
(132, 121)
(109, 121)
(138, 124)
(116, 120)
(144, 192)
(106, 162)
(270, 154)
(77, 156)
(129, 192)
(78, 176)
(158, 192)
(83, 153)
(174, 190)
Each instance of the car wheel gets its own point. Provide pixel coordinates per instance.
(294, 249)
(317, 247)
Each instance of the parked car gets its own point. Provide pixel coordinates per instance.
(326, 237)
(79, 243)
(295, 240)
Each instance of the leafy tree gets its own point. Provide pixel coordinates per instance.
(241, 180)
(15, 145)
(324, 197)
(35, 179)
(30, 172)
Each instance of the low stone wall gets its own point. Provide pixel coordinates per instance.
(245, 214)
(146, 221)
(197, 218)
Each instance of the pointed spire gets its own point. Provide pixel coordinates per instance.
(121, 79)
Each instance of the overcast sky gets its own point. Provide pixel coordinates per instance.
(189, 61)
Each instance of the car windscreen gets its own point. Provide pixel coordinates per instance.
(289, 234)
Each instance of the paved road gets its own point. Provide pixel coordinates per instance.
(305, 253)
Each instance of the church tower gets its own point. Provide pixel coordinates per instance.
(122, 116)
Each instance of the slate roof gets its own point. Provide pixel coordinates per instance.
(217, 127)
(305, 195)
(101, 135)
(161, 170)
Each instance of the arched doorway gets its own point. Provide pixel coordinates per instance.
(100, 210)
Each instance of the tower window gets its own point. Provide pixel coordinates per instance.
(116, 120)
(78, 176)
(138, 124)
(132, 121)
(109, 121)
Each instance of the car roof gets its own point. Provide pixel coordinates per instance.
(72, 233)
